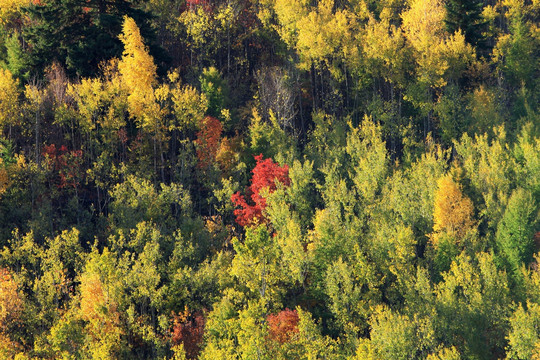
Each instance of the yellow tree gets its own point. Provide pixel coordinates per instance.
(138, 72)
(325, 35)
(453, 211)
(385, 49)
(9, 99)
(101, 315)
(440, 57)
(11, 307)
(10, 9)
(423, 25)
(139, 78)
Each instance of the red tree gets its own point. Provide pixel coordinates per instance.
(66, 164)
(283, 325)
(188, 329)
(265, 175)
(208, 141)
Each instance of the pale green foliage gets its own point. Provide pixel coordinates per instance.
(137, 200)
(488, 165)
(189, 106)
(395, 336)
(269, 139)
(410, 193)
(257, 265)
(345, 292)
(292, 244)
(369, 159)
(524, 335)
(473, 295)
(327, 139)
(515, 231)
(527, 154)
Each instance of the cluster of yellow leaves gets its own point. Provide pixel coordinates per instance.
(206, 28)
(189, 106)
(453, 211)
(11, 303)
(11, 307)
(4, 179)
(93, 96)
(138, 72)
(10, 8)
(439, 55)
(102, 316)
(9, 99)
(384, 45)
(288, 13)
(324, 33)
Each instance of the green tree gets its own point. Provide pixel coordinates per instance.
(467, 17)
(515, 232)
(93, 27)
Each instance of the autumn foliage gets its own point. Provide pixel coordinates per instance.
(188, 329)
(265, 175)
(208, 141)
(453, 210)
(283, 325)
(65, 163)
(11, 303)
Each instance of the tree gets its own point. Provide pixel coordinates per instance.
(266, 176)
(208, 139)
(396, 336)
(524, 335)
(466, 15)
(93, 26)
(138, 73)
(257, 265)
(283, 325)
(11, 310)
(473, 306)
(515, 232)
(188, 330)
(9, 100)
(453, 211)
(424, 29)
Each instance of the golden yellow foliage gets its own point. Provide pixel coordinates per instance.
(384, 46)
(423, 25)
(102, 317)
(11, 303)
(96, 96)
(458, 54)
(453, 210)
(137, 71)
(324, 33)
(289, 12)
(11, 307)
(10, 8)
(9, 99)
(4, 179)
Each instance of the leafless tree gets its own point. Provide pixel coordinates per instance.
(276, 96)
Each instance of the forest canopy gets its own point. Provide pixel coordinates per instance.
(269, 179)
